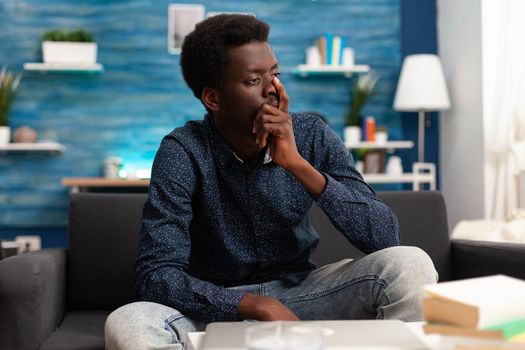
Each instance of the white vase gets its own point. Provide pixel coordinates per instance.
(360, 166)
(352, 134)
(69, 52)
(394, 166)
(381, 137)
(5, 135)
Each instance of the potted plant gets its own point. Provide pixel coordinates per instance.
(60, 46)
(8, 84)
(361, 92)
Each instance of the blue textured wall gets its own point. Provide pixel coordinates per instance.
(418, 35)
(141, 96)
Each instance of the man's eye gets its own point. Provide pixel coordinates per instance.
(254, 81)
(276, 74)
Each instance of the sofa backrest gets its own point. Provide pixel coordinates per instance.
(103, 239)
(104, 230)
(422, 222)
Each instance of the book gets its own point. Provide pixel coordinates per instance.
(513, 331)
(443, 329)
(321, 42)
(448, 312)
(329, 41)
(336, 50)
(488, 347)
(343, 45)
(475, 303)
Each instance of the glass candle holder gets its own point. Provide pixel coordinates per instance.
(284, 336)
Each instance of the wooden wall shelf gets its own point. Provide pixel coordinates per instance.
(52, 147)
(94, 68)
(305, 70)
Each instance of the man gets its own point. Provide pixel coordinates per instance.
(225, 231)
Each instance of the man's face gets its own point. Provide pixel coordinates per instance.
(247, 85)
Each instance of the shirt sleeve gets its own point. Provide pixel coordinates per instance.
(165, 244)
(349, 202)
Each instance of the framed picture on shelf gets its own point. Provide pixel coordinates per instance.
(374, 162)
(182, 19)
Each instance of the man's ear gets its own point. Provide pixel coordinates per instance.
(210, 98)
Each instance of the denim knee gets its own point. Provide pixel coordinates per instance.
(412, 263)
(406, 270)
(140, 325)
(117, 322)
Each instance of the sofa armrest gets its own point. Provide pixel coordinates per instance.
(482, 258)
(32, 297)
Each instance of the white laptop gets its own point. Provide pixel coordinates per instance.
(338, 335)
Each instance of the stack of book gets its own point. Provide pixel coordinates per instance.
(491, 308)
(331, 49)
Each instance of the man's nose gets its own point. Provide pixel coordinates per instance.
(269, 88)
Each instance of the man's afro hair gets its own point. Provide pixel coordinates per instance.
(204, 56)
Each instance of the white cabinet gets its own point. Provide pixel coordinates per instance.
(422, 173)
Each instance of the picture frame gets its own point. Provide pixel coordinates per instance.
(182, 19)
(374, 162)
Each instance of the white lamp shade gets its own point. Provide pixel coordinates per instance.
(421, 85)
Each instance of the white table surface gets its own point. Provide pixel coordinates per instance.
(195, 339)
(433, 341)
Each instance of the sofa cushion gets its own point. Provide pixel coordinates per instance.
(103, 241)
(80, 330)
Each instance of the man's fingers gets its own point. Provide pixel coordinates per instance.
(283, 96)
(264, 125)
(270, 118)
(285, 314)
(293, 317)
(263, 139)
(258, 125)
(277, 130)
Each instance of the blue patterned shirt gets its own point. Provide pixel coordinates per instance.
(209, 224)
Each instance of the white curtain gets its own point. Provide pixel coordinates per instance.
(503, 104)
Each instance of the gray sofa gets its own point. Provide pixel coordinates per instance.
(59, 299)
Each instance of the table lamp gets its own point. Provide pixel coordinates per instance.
(421, 88)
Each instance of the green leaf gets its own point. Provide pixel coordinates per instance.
(64, 35)
(362, 89)
(8, 85)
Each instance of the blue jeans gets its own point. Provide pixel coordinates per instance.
(382, 285)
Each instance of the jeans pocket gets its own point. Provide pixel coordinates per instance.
(180, 325)
(171, 324)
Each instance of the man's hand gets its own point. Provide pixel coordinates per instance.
(273, 126)
(262, 308)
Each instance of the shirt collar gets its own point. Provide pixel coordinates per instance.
(222, 150)
(267, 156)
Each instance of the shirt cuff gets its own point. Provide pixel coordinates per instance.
(228, 307)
